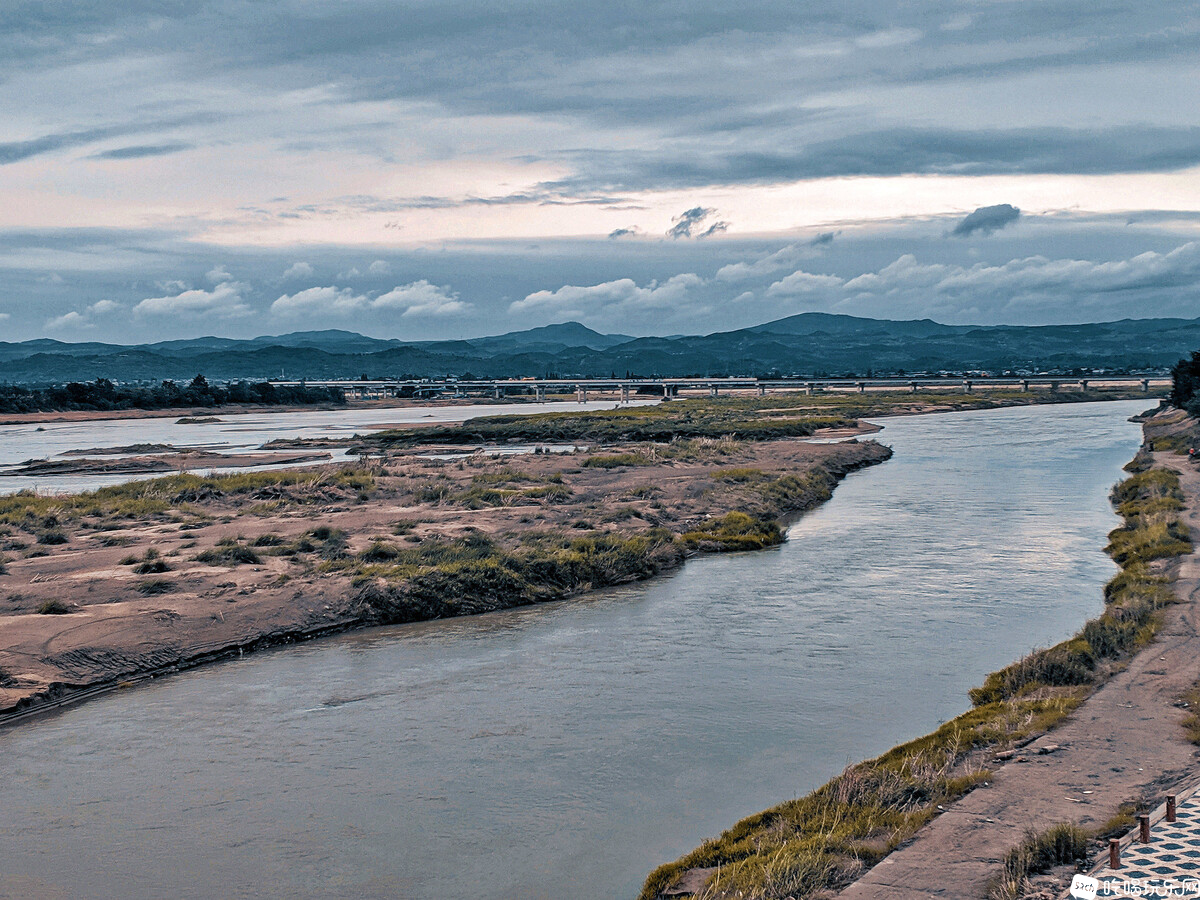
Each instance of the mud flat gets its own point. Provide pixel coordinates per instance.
(159, 462)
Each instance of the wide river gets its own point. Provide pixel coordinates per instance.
(563, 751)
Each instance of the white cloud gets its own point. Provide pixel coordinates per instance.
(781, 259)
(4, 316)
(420, 298)
(72, 319)
(380, 267)
(318, 300)
(801, 282)
(298, 270)
(624, 293)
(218, 275)
(225, 301)
(1009, 291)
(84, 319)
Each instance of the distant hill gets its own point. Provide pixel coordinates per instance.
(805, 344)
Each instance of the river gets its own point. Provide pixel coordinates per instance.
(563, 751)
(227, 433)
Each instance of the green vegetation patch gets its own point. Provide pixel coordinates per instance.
(738, 475)
(734, 531)
(660, 423)
(229, 552)
(474, 573)
(1040, 852)
(830, 836)
(150, 564)
(617, 460)
(155, 497)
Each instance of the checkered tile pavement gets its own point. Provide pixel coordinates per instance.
(1168, 866)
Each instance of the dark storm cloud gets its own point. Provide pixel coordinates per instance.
(901, 151)
(677, 69)
(987, 219)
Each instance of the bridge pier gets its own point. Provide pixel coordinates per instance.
(968, 387)
(808, 388)
(1025, 385)
(1054, 387)
(1083, 384)
(581, 394)
(762, 390)
(862, 388)
(1145, 385)
(540, 392)
(624, 393)
(499, 392)
(712, 391)
(912, 387)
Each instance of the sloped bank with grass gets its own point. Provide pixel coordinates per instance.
(825, 840)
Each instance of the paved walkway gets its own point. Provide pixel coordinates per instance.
(1167, 866)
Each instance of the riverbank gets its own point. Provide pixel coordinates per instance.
(1013, 775)
(128, 582)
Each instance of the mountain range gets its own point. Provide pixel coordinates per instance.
(816, 344)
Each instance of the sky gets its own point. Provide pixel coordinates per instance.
(448, 169)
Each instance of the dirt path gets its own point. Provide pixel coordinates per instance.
(1125, 741)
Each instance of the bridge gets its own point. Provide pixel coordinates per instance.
(627, 388)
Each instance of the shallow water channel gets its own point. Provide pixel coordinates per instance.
(228, 433)
(563, 751)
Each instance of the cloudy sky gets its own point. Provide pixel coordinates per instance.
(172, 168)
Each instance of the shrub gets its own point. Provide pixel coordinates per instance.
(1039, 853)
(155, 586)
(229, 554)
(54, 607)
(735, 531)
(738, 476)
(379, 552)
(617, 460)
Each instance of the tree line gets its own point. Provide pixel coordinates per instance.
(103, 394)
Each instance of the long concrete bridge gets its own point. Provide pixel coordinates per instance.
(628, 388)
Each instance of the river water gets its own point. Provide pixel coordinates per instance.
(232, 433)
(563, 751)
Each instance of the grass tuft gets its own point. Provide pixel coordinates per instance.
(1040, 852)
